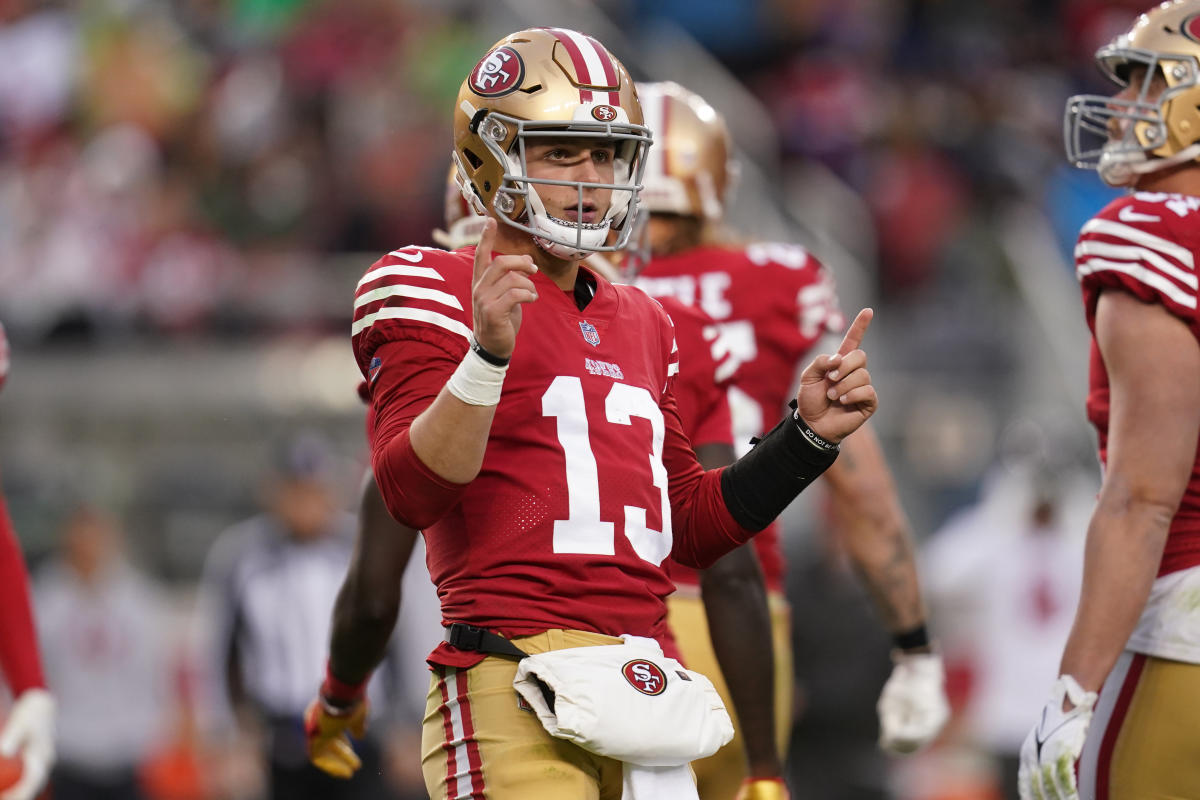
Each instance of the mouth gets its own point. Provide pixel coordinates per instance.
(589, 216)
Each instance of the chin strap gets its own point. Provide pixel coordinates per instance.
(1121, 169)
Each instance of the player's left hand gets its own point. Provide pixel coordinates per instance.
(836, 396)
(328, 731)
(913, 706)
(1050, 754)
(29, 733)
(763, 789)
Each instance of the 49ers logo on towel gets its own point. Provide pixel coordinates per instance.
(500, 72)
(645, 676)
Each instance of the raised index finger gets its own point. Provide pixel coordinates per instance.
(483, 250)
(858, 329)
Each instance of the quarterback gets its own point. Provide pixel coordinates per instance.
(1122, 719)
(772, 304)
(29, 731)
(525, 419)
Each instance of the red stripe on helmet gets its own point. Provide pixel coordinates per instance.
(610, 71)
(582, 73)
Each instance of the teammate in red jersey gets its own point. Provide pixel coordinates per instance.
(535, 438)
(1123, 718)
(772, 304)
(28, 732)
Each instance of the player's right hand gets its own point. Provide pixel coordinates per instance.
(328, 730)
(29, 733)
(763, 789)
(499, 286)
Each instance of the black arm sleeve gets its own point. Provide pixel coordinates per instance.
(760, 485)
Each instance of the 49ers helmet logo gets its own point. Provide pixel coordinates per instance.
(645, 676)
(498, 73)
(604, 113)
(1191, 27)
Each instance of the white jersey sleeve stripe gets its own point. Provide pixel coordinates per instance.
(1134, 253)
(415, 314)
(403, 290)
(1109, 228)
(399, 271)
(1138, 272)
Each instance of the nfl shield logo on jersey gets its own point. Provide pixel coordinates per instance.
(373, 369)
(590, 335)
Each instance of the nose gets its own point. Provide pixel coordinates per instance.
(586, 170)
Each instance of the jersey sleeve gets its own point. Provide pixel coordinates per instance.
(415, 295)
(412, 327)
(1140, 245)
(704, 530)
(19, 661)
(817, 308)
(701, 399)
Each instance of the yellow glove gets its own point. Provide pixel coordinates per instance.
(763, 789)
(326, 729)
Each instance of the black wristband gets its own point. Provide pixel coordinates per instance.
(759, 486)
(491, 358)
(912, 639)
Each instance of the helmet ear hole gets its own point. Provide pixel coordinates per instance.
(475, 161)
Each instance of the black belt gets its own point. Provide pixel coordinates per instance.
(481, 640)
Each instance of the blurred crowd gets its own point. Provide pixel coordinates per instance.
(211, 170)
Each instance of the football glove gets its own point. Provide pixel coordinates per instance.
(763, 789)
(29, 733)
(328, 730)
(912, 707)
(1050, 754)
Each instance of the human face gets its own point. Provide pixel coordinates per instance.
(1118, 127)
(573, 159)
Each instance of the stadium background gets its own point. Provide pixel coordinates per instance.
(190, 189)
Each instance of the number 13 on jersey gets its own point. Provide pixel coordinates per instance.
(583, 531)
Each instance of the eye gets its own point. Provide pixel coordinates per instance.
(602, 156)
(555, 154)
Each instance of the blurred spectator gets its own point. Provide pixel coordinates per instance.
(104, 639)
(267, 597)
(1004, 576)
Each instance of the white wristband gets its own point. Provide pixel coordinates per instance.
(476, 382)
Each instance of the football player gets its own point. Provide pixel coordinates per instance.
(773, 303)
(28, 733)
(1122, 719)
(525, 418)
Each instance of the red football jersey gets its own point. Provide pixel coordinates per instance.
(1145, 244)
(588, 482)
(702, 400)
(699, 396)
(771, 304)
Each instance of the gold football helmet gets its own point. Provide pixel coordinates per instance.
(548, 83)
(690, 169)
(1122, 138)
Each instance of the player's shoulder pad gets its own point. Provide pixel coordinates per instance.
(416, 291)
(1145, 243)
